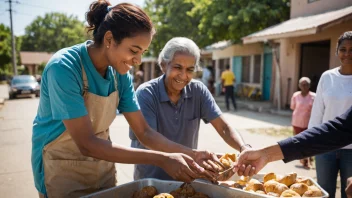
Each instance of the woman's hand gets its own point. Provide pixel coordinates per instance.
(181, 167)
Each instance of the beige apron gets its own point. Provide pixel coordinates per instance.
(67, 172)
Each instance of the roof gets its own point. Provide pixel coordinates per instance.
(35, 58)
(301, 26)
(149, 59)
(219, 45)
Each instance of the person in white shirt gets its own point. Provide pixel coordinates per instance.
(333, 98)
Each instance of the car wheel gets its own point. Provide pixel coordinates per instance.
(12, 96)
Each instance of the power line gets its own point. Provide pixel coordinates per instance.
(22, 13)
(32, 5)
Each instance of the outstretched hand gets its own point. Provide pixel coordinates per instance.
(251, 161)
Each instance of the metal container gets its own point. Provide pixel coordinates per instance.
(260, 177)
(214, 191)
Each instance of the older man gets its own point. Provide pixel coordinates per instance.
(174, 104)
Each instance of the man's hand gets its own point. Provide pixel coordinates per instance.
(251, 161)
(181, 167)
(348, 189)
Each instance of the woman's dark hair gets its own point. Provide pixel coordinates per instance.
(123, 20)
(344, 36)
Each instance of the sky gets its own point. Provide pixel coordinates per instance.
(25, 11)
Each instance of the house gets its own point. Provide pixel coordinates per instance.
(31, 60)
(304, 45)
(250, 63)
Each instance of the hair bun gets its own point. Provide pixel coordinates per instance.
(96, 14)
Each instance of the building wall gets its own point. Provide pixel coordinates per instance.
(303, 8)
(290, 55)
(238, 50)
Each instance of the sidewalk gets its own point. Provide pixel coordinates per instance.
(4, 94)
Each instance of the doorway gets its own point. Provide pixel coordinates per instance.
(315, 59)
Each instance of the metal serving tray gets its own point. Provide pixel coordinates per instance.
(260, 177)
(214, 191)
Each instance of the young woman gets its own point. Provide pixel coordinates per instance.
(82, 86)
(333, 98)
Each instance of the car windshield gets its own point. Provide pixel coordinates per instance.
(22, 80)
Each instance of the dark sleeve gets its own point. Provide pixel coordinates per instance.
(329, 136)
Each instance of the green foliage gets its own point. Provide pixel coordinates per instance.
(53, 32)
(170, 19)
(41, 68)
(210, 21)
(6, 50)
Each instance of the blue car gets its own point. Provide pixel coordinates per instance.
(24, 85)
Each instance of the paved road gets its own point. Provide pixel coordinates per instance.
(16, 118)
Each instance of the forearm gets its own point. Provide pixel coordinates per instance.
(109, 151)
(273, 153)
(232, 137)
(156, 141)
(329, 136)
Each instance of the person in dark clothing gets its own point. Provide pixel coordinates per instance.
(228, 79)
(329, 136)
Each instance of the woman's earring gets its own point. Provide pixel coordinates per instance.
(107, 46)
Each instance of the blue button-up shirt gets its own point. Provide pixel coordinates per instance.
(177, 122)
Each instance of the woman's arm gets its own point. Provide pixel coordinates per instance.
(152, 139)
(316, 116)
(293, 102)
(176, 165)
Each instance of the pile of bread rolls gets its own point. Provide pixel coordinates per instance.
(288, 185)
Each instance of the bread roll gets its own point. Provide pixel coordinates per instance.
(254, 185)
(269, 176)
(275, 187)
(306, 181)
(273, 194)
(288, 179)
(289, 193)
(299, 188)
(260, 192)
(313, 191)
(163, 195)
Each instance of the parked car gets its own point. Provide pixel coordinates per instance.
(24, 85)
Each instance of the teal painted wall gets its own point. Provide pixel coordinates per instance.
(237, 68)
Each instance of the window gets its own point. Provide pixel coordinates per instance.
(256, 69)
(246, 65)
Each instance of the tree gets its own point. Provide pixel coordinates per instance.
(53, 32)
(209, 21)
(234, 19)
(170, 19)
(6, 50)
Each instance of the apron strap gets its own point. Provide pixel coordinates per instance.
(85, 79)
(115, 83)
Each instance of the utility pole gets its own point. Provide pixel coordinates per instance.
(14, 64)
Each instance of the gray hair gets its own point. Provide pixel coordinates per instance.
(179, 44)
(304, 79)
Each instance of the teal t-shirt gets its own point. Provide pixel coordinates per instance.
(61, 98)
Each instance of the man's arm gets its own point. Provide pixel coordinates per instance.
(329, 136)
(230, 136)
